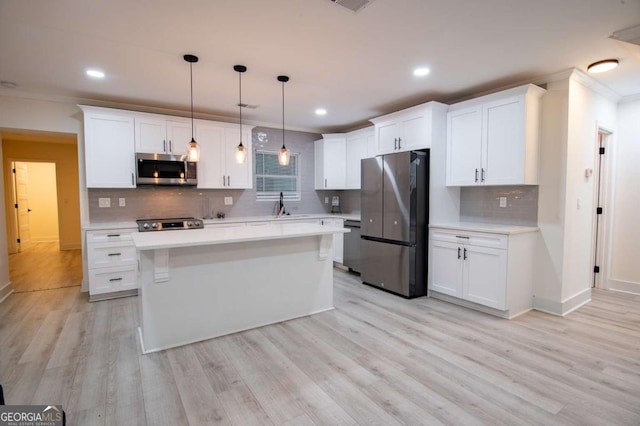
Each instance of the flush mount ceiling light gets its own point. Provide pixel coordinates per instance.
(283, 155)
(193, 149)
(95, 73)
(421, 72)
(241, 151)
(321, 111)
(602, 66)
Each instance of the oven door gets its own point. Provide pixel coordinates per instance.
(163, 169)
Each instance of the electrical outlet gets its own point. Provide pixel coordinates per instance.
(122, 202)
(104, 202)
(503, 201)
(228, 201)
(326, 200)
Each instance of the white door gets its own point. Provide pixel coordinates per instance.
(22, 205)
(464, 142)
(446, 268)
(485, 276)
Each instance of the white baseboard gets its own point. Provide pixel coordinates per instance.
(70, 246)
(49, 239)
(562, 308)
(5, 291)
(624, 286)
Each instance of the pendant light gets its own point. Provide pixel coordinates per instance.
(241, 151)
(193, 149)
(283, 155)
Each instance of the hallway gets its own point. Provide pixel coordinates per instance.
(43, 266)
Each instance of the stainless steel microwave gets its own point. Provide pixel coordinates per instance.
(165, 169)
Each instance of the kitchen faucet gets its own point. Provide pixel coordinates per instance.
(280, 206)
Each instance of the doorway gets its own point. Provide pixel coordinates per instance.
(42, 211)
(601, 184)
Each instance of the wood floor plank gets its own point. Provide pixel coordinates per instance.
(375, 359)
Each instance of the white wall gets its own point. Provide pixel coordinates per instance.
(588, 111)
(573, 110)
(623, 272)
(18, 114)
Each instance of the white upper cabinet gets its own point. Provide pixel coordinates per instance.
(158, 134)
(493, 140)
(330, 162)
(358, 143)
(217, 167)
(108, 148)
(406, 130)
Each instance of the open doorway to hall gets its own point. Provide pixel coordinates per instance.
(42, 211)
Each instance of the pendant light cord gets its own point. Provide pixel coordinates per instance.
(283, 115)
(191, 78)
(240, 103)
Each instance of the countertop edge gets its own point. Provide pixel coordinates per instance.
(489, 228)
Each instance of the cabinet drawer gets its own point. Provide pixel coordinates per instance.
(108, 280)
(110, 254)
(109, 236)
(471, 238)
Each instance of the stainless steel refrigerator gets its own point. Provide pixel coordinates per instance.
(395, 212)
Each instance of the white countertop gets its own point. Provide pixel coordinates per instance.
(492, 228)
(98, 226)
(203, 237)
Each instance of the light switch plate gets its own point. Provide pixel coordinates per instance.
(122, 202)
(326, 200)
(104, 202)
(228, 201)
(503, 201)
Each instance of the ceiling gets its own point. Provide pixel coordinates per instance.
(356, 65)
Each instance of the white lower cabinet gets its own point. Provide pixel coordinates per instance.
(112, 261)
(490, 270)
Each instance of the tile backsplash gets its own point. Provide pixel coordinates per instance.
(153, 202)
(482, 204)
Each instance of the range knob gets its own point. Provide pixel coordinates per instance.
(197, 224)
(189, 224)
(145, 226)
(154, 225)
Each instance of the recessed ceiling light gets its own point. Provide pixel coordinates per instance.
(602, 66)
(421, 72)
(321, 111)
(95, 73)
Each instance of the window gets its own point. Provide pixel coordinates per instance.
(272, 178)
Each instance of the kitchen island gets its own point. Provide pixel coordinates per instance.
(199, 284)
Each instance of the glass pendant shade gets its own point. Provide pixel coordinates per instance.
(241, 154)
(283, 155)
(193, 149)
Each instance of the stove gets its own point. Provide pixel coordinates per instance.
(145, 225)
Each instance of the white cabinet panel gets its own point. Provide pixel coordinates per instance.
(493, 140)
(357, 149)
(161, 134)
(490, 270)
(330, 162)
(112, 261)
(109, 148)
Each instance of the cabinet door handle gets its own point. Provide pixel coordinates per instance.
(399, 143)
(228, 180)
(115, 279)
(113, 235)
(476, 175)
(164, 145)
(482, 175)
(458, 252)
(465, 254)
(132, 183)
(395, 143)
(115, 254)
(224, 182)
(325, 182)
(170, 146)
(462, 236)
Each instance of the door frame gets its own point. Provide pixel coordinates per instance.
(602, 232)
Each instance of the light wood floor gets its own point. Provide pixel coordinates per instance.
(43, 266)
(375, 359)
